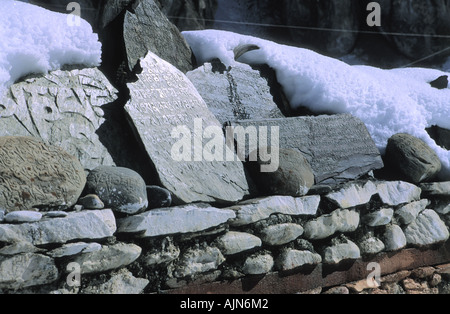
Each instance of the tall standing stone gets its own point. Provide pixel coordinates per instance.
(337, 147)
(164, 105)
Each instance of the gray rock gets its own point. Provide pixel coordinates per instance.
(442, 207)
(95, 224)
(436, 188)
(67, 109)
(341, 220)
(164, 101)
(122, 282)
(190, 14)
(412, 158)
(280, 234)
(55, 214)
(111, 10)
(427, 229)
(406, 214)
(290, 259)
(158, 197)
(394, 239)
(258, 264)
(22, 216)
(343, 150)
(108, 258)
(91, 201)
(18, 248)
(236, 242)
(239, 93)
(255, 210)
(340, 252)
(35, 174)
(174, 220)
(353, 194)
(68, 249)
(166, 253)
(394, 193)
(371, 245)
(196, 261)
(119, 188)
(27, 270)
(147, 29)
(377, 218)
(2, 214)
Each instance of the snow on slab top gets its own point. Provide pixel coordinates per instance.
(36, 40)
(387, 101)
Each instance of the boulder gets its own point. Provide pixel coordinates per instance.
(412, 158)
(36, 175)
(119, 188)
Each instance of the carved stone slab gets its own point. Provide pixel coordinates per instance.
(338, 147)
(63, 108)
(164, 102)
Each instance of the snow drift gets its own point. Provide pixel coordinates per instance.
(387, 101)
(36, 40)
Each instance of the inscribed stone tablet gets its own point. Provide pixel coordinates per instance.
(164, 105)
(338, 147)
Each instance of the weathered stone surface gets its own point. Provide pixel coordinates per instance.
(371, 245)
(70, 249)
(164, 254)
(190, 14)
(108, 258)
(380, 217)
(199, 261)
(342, 251)
(158, 197)
(19, 247)
(26, 270)
(95, 224)
(258, 264)
(394, 239)
(291, 259)
(412, 158)
(148, 29)
(91, 201)
(119, 188)
(164, 105)
(239, 93)
(236, 242)
(281, 234)
(173, 220)
(394, 193)
(338, 221)
(409, 212)
(294, 176)
(254, 210)
(111, 10)
(427, 229)
(122, 282)
(343, 150)
(353, 194)
(22, 216)
(34, 174)
(436, 188)
(65, 109)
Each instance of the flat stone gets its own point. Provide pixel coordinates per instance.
(254, 210)
(394, 193)
(22, 216)
(436, 188)
(174, 220)
(68, 249)
(170, 116)
(236, 242)
(409, 212)
(95, 224)
(158, 197)
(280, 234)
(380, 217)
(352, 195)
(18, 248)
(291, 259)
(340, 252)
(238, 93)
(91, 201)
(341, 220)
(196, 261)
(108, 258)
(258, 264)
(342, 151)
(394, 239)
(27, 270)
(35, 174)
(55, 214)
(119, 188)
(123, 282)
(427, 229)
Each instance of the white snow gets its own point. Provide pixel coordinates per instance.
(36, 40)
(387, 101)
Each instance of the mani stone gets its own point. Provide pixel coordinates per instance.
(66, 109)
(164, 105)
(412, 158)
(239, 93)
(36, 175)
(338, 147)
(119, 188)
